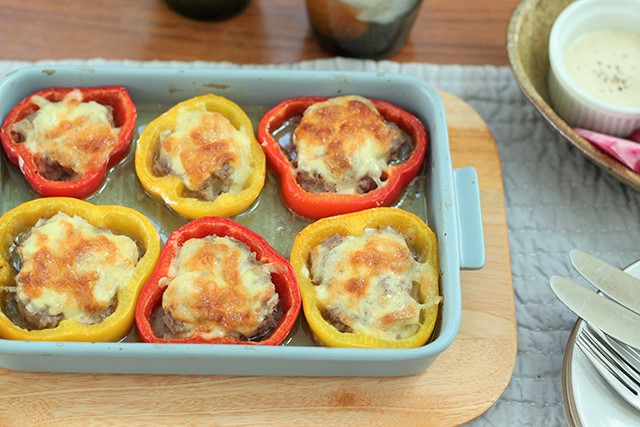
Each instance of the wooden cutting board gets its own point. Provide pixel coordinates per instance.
(461, 384)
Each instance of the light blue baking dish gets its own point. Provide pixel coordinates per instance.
(447, 199)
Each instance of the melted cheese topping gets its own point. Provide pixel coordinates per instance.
(75, 134)
(343, 140)
(69, 266)
(369, 283)
(206, 145)
(217, 288)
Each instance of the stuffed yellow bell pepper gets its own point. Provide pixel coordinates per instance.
(201, 158)
(369, 279)
(71, 270)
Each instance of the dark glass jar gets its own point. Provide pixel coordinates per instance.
(207, 10)
(343, 29)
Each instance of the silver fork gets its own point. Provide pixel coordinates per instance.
(618, 364)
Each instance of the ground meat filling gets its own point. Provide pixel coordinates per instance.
(53, 171)
(44, 320)
(160, 166)
(18, 136)
(328, 244)
(219, 182)
(40, 320)
(331, 316)
(313, 183)
(173, 328)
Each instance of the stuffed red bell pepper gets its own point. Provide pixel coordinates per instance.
(343, 154)
(64, 140)
(218, 282)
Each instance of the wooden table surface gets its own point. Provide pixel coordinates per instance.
(267, 31)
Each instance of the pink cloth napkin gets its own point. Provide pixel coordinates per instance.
(625, 150)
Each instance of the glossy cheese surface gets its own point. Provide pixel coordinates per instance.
(205, 146)
(75, 134)
(343, 140)
(217, 288)
(70, 267)
(370, 283)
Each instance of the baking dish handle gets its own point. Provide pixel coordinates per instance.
(469, 218)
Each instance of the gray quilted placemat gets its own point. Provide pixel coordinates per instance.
(556, 200)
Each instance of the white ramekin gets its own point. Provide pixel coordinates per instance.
(570, 101)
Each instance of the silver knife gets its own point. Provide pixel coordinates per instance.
(609, 316)
(612, 281)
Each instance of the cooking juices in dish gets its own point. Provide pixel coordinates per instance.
(369, 279)
(201, 158)
(72, 271)
(606, 64)
(65, 139)
(218, 282)
(342, 154)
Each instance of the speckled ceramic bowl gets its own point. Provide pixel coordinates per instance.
(527, 46)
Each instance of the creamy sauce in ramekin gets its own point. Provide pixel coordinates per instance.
(606, 64)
